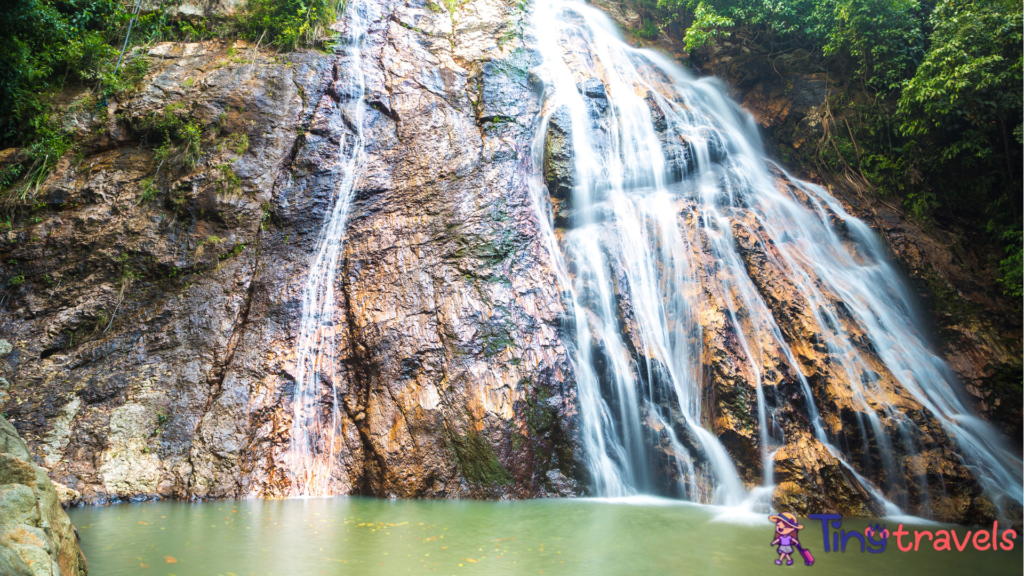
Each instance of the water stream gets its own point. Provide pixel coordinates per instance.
(312, 447)
(663, 171)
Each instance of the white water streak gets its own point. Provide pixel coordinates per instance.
(311, 452)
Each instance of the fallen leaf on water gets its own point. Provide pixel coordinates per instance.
(170, 559)
(143, 565)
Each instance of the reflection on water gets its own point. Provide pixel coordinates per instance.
(363, 536)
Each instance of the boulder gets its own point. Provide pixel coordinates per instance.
(36, 535)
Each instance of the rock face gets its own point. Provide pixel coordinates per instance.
(153, 295)
(151, 346)
(36, 536)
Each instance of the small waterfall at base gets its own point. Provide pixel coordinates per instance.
(658, 205)
(310, 456)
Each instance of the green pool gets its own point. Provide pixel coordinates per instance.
(380, 537)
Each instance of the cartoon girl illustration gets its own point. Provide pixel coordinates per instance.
(786, 530)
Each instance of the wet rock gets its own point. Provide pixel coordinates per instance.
(537, 82)
(809, 480)
(504, 82)
(151, 351)
(559, 485)
(717, 151)
(36, 536)
(67, 496)
(559, 171)
(593, 88)
(657, 114)
(678, 156)
(597, 98)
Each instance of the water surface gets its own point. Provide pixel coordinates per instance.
(364, 536)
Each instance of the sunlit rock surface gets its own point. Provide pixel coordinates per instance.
(36, 536)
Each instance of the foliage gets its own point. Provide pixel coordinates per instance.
(228, 182)
(964, 106)
(966, 93)
(240, 143)
(648, 30)
(288, 24)
(41, 157)
(47, 43)
(233, 252)
(128, 78)
(181, 135)
(1012, 267)
(50, 44)
(149, 191)
(707, 25)
(883, 36)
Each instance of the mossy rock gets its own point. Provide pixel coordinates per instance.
(477, 461)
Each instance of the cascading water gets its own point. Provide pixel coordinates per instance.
(311, 451)
(650, 175)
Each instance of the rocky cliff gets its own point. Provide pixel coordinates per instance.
(151, 342)
(36, 536)
(152, 297)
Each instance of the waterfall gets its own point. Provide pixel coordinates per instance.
(310, 456)
(648, 177)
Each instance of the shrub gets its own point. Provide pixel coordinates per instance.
(181, 139)
(288, 24)
(648, 30)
